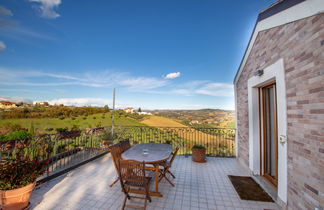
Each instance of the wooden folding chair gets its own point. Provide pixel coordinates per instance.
(116, 150)
(132, 175)
(166, 167)
(125, 144)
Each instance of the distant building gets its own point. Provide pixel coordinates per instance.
(194, 122)
(45, 103)
(144, 113)
(129, 110)
(7, 105)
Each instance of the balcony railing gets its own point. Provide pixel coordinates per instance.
(217, 141)
(68, 150)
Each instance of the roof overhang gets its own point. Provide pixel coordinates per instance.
(280, 13)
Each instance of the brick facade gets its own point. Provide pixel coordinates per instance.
(301, 45)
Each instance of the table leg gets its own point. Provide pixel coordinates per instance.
(157, 177)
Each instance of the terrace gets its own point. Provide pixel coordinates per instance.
(197, 185)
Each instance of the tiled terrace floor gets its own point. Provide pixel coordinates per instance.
(198, 186)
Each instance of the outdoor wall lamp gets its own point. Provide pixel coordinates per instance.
(258, 72)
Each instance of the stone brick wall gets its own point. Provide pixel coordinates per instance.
(301, 45)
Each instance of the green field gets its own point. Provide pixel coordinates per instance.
(91, 121)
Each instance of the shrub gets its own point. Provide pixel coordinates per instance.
(94, 117)
(197, 146)
(62, 130)
(22, 134)
(16, 173)
(61, 117)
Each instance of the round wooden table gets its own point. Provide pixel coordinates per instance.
(150, 153)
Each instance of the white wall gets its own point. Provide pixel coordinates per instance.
(274, 72)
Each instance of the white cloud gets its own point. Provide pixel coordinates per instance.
(115, 79)
(200, 87)
(172, 75)
(84, 102)
(216, 89)
(15, 99)
(46, 7)
(141, 83)
(97, 79)
(2, 46)
(79, 101)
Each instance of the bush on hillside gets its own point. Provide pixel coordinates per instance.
(62, 130)
(22, 134)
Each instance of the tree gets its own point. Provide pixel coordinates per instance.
(106, 108)
(139, 109)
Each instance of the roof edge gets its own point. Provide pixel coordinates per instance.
(273, 9)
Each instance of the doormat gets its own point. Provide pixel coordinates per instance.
(248, 189)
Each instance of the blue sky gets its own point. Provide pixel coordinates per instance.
(170, 54)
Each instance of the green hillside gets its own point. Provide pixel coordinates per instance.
(44, 125)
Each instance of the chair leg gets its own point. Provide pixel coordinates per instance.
(124, 204)
(148, 194)
(114, 182)
(145, 203)
(171, 174)
(163, 175)
(169, 181)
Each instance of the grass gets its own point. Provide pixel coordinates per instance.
(188, 133)
(91, 121)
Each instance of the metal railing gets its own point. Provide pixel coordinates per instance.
(218, 142)
(62, 151)
(68, 150)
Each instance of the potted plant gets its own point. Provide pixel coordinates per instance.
(17, 181)
(199, 153)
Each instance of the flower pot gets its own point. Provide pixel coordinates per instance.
(17, 198)
(199, 155)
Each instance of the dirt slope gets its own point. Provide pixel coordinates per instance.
(156, 121)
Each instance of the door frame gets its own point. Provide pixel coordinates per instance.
(273, 72)
(263, 139)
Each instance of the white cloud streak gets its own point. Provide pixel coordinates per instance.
(47, 8)
(199, 87)
(141, 83)
(115, 79)
(2, 46)
(97, 79)
(84, 102)
(79, 101)
(15, 99)
(172, 75)
(216, 89)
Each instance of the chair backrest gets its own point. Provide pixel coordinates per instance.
(174, 154)
(116, 151)
(125, 144)
(131, 171)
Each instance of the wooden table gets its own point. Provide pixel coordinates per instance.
(156, 154)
